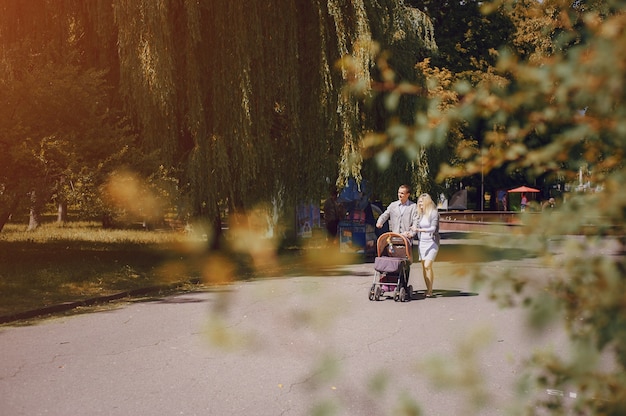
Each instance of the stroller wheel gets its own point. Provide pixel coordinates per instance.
(402, 295)
(377, 293)
(371, 294)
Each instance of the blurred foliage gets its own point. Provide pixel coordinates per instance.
(552, 106)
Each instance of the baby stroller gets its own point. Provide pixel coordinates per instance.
(392, 267)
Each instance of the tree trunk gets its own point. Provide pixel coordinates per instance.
(107, 220)
(35, 212)
(4, 218)
(34, 220)
(5, 214)
(216, 243)
(62, 212)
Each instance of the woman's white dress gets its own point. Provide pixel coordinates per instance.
(429, 240)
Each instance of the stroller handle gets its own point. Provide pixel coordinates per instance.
(403, 247)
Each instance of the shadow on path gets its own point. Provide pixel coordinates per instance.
(442, 293)
(438, 293)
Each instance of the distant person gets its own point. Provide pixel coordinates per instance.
(333, 213)
(501, 200)
(402, 214)
(443, 202)
(524, 202)
(549, 204)
(428, 234)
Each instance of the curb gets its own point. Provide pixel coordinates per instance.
(67, 306)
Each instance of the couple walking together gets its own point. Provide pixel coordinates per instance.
(419, 219)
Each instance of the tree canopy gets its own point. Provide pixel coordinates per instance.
(243, 108)
(55, 123)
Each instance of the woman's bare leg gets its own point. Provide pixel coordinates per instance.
(429, 276)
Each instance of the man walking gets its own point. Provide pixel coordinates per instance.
(402, 214)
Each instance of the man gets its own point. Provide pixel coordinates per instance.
(402, 214)
(333, 213)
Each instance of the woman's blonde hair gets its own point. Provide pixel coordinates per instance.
(429, 205)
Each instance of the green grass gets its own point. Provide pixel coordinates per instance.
(78, 261)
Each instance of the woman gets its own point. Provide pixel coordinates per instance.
(428, 232)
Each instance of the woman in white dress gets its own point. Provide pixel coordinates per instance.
(428, 232)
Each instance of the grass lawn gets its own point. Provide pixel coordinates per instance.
(80, 260)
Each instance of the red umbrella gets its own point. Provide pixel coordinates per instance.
(523, 189)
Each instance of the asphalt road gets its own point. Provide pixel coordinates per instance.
(294, 346)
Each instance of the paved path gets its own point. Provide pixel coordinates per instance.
(275, 347)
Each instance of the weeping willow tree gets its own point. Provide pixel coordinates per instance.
(258, 104)
(245, 98)
(405, 36)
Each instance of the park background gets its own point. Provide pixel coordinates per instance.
(176, 112)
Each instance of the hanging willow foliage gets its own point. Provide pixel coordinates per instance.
(244, 96)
